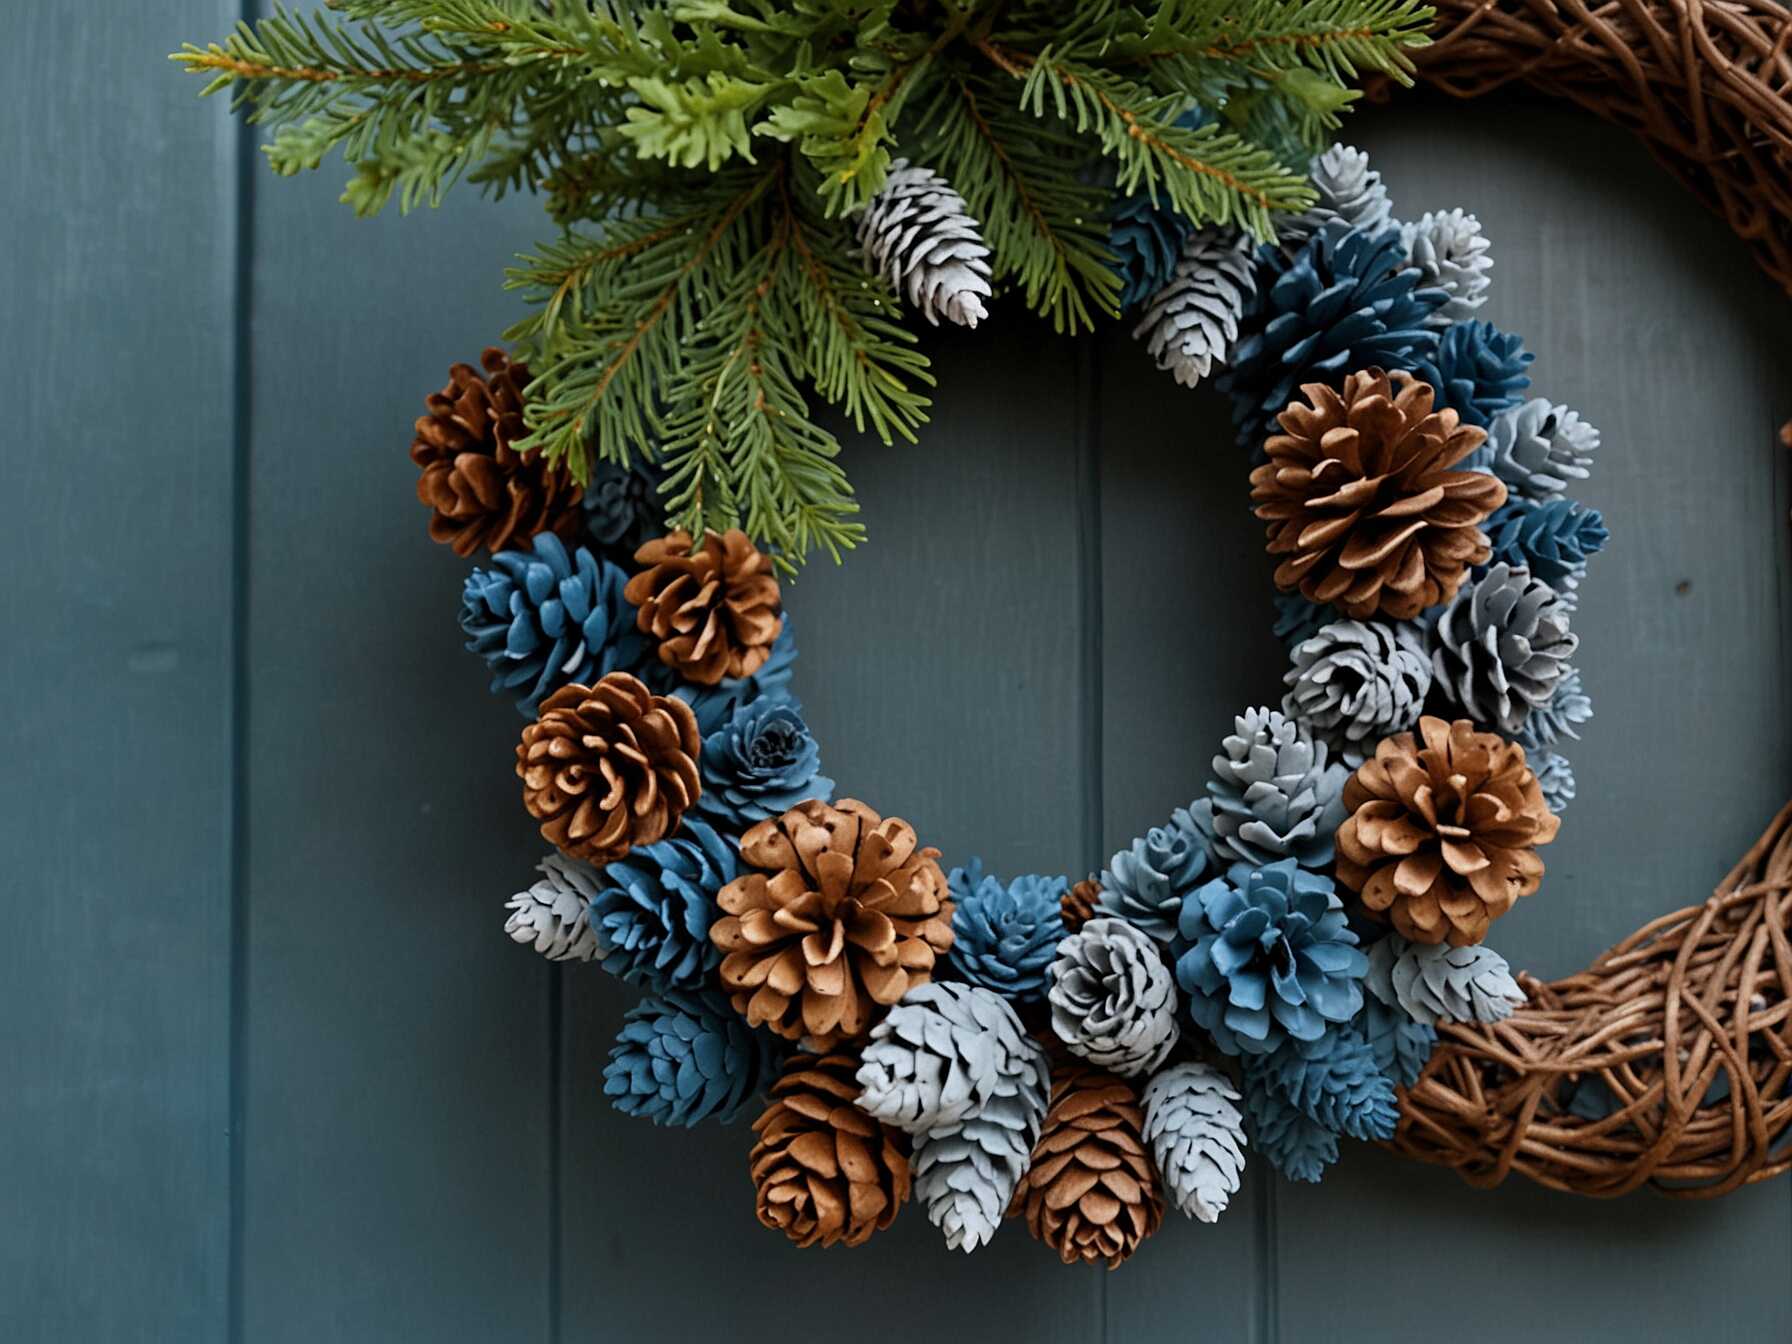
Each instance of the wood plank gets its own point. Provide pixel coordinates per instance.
(399, 1051)
(1649, 318)
(116, 796)
(942, 671)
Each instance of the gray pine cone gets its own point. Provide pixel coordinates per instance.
(1113, 1001)
(551, 914)
(1196, 1134)
(1450, 249)
(1349, 190)
(1548, 724)
(966, 1173)
(1538, 449)
(1189, 325)
(1435, 983)
(942, 1055)
(918, 234)
(1555, 776)
(1501, 647)
(1275, 794)
(1356, 682)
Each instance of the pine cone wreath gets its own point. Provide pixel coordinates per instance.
(1433, 982)
(1273, 794)
(1501, 647)
(1353, 683)
(825, 1172)
(1113, 1000)
(918, 236)
(1539, 450)
(1442, 833)
(1450, 252)
(550, 915)
(1197, 1135)
(482, 492)
(942, 1055)
(1090, 1191)
(1189, 324)
(608, 767)
(1362, 501)
(966, 1174)
(715, 610)
(846, 913)
(1079, 904)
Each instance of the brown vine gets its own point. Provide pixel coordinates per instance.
(1666, 1062)
(1706, 85)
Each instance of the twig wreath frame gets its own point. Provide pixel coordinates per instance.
(1078, 1056)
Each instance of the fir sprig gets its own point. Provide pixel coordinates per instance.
(698, 157)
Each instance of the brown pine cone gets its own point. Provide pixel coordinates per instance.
(1091, 1192)
(484, 492)
(825, 1171)
(847, 914)
(1359, 496)
(715, 611)
(1442, 831)
(609, 766)
(1077, 906)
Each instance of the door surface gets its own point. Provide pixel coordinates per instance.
(272, 1071)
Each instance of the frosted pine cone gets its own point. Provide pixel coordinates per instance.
(551, 914)
(966, 1174)
(1450, 250)
(1538, 449)
(1274, 793)
(1112, 998)
(1190, 324)
(942, 1055)
(1433, 982)
(1355, 682)
(1196, 1132)
(918, 234)
(1350, 191)
(1555, 776)
(1501, 646)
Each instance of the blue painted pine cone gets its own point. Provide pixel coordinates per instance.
(653, 910)
(1004, 936)
(760, 764)
(682, 1058)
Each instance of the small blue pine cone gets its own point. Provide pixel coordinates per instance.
(760, 764)
(1004, 937)
(1478, 371)
(1296, 1146)
(1334, 1081)
(1145, 883)
(652, 913)
(1401, 1045)
(1347, 301)
(1265, 956)
(1147, 239)
(1298, 620)
(1555, 776)
(623, 510)
(1554, 539)
(716, 705)
(543, 619)
(1556, 718)
(682, 1058)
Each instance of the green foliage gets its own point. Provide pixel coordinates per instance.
(704, 299)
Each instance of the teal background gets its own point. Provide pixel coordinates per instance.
(269, 1070)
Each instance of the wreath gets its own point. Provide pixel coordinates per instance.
(749, 194)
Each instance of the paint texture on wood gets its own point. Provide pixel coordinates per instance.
(262, 823)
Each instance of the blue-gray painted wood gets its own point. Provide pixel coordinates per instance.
(262, 845)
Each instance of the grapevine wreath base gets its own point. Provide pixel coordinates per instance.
(1295, 957)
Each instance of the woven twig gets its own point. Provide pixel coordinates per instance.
(1683, 1030)
(1706, 84)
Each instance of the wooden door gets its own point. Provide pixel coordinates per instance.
(272, 1071)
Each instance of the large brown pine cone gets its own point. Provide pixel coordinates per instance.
(609, 766)
(1360, 497)
(825, 1171)
(483, 492)
(715, 611)
(847, 914)
(1091, 1192)
(1442, 833)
